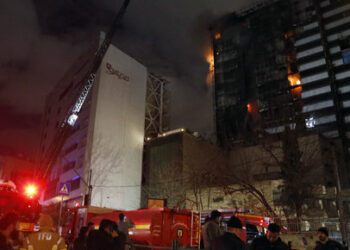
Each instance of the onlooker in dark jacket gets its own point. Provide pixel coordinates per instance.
(211, 229)
(325, 243)
(271, 241)
(119, 239)
(8, 224)
(81, 242)
(90, 227)
(101, 239)
(231, 240)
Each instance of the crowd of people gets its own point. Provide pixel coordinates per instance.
(213, 239)
(109, 236)
(114, 236)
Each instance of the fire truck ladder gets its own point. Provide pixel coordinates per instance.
(70, 119)
(195, 221)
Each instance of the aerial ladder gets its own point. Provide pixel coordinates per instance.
(66, 127)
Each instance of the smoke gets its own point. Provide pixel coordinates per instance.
(173, 42)
(31, 62)
(42, 38)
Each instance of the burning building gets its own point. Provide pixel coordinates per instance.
(281, 62)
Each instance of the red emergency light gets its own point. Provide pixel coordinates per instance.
(31, 190)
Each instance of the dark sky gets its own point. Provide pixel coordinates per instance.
(40, 39)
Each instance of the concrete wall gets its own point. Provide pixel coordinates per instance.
(116, 132)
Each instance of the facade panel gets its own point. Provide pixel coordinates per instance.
(118, 132)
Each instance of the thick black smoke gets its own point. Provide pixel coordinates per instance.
(42, 38)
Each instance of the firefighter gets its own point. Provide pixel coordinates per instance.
(45, 239)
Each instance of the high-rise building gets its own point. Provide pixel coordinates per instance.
(253, 65)
(282, 63)
(105, 149)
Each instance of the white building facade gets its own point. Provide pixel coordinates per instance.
(105, 149)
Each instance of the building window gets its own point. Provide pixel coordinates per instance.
(71, 148)
(75, 184)
(346, 56)
(69, 166)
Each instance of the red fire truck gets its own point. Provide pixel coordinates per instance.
(160, 226)
(153, 227)
(24, 202)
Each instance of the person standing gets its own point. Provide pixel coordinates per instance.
(81, 242)
(271, 241)
(124, 224)
(90, 226)
(8, 223)
(118, 238)
(325, 243)
(211, 229)
(101, 239)
(45, 239)
(231, 239)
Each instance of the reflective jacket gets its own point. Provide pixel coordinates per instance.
(44, 240)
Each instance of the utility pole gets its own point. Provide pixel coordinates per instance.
(60, 216)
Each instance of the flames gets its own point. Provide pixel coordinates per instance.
(209, 56)
(295, 83)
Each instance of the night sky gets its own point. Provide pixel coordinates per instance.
(40, 40)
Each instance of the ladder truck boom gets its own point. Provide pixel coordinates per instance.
(70, 119)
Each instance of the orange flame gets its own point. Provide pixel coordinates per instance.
(294, 81)
(249, 107)
(210, 60)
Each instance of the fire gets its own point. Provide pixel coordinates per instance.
(217, 36)
(210, 60)
(294, 82)
(249, 107)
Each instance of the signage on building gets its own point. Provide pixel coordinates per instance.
(120, 75)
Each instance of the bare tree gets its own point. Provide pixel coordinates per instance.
(233, 175)
(238, 177)
(103, 163)
(300, 162)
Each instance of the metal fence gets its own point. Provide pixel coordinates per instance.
(312, 224)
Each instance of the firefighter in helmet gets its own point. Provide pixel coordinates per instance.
(45, 239)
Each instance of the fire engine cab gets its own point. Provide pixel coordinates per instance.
(24, 203)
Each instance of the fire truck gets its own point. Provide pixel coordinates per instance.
(24, 202)
(153, 227)
(160, 226)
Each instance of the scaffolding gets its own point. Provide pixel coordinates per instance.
(157, 106)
